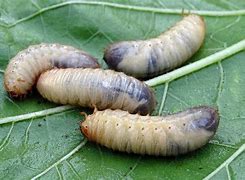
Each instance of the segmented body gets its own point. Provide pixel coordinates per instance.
(148, 58)
(96, 88)
(23, 70)
(153, 135)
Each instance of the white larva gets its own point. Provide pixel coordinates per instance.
(23, 69)
(148, 58)
(153, 135)
(96, 88)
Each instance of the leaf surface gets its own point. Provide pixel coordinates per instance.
(52, 147)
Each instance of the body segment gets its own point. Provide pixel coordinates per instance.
(96, 88)
(148, 58)
(153, 135)
(24, 69)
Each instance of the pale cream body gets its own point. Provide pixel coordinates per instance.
(23, 69)
(96, 88)
(153, 135)
(148, 58)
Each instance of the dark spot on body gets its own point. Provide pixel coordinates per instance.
(113, 90)
(152, 63)
(134, 90)
(142, 109)
(39, 124)
(149, 102)
(115, 53)
(44, 119)
(124, 87)
(174, 148)
(206, 123)
(75, 60)
(209, 119)
(130, 168)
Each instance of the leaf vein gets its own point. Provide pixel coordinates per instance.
(151, 25)
(131, 7)
(134, 166)
(59, 173)
(43, 27)
(227, 162)
(231, 5)
(106, 36)
(161, 4)
(190, 4)
(163, 99)
(13, 102)
(27, 133)
(178, 99)
(202, 63)
(214, 142)
(91, 37)
(35, 4)
(5, 141)
(72, 152)
(35, 114)
(228, 171)
(73, 169)
(221, 83)
(73, 39)
(212, 36)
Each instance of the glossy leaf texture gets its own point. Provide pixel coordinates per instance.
(49, 145)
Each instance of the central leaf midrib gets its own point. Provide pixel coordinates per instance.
(130, 7)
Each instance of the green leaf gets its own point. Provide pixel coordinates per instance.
(42, 139)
